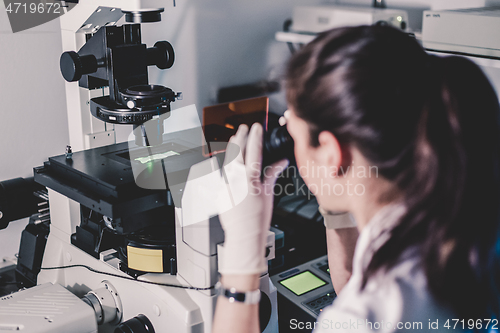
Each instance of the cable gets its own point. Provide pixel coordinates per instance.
(129, 278)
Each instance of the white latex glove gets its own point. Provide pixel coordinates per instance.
(247, 223)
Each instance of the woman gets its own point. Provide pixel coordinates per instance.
(428, 220)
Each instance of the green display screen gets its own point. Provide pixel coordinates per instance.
(302, 283)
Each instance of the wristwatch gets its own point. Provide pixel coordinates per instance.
(249, 297)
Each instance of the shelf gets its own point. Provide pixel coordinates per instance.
(294, 37)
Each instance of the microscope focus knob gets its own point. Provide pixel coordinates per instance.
(73, 65)
(162, 55)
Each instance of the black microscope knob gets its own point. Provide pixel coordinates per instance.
(73, 66)
(162, 55)
(138, 324)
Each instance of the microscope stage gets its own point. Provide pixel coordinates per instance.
(103, 179)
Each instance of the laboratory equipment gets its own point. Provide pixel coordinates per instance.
(307, 286)
(111, 220)
(308, 21)
(21, 311)
(462, 31)
(314, 19)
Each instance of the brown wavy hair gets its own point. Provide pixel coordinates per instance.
(431, 126)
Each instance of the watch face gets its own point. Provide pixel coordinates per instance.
(235, 296)
(249, 297)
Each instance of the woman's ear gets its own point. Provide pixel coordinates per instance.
(329, 151)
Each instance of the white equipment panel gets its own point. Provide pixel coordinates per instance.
(314, 19)
(46, 308)
(471, 31)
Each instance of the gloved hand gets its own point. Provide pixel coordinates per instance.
(246, 222)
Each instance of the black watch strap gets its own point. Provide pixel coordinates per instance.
(249, 297)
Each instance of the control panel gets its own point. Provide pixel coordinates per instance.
(308, 286)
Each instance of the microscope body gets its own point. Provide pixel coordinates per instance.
(133, 214)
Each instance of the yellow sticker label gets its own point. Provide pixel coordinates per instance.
(145, 260)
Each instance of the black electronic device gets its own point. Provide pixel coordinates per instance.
(18, 199)
(31, 250)
(21, 198)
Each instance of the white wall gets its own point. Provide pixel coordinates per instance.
(220, 43)
(33, 122)
(223, 42)
(217, 43)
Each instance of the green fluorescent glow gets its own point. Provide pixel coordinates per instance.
(303, 283)
(156, 157)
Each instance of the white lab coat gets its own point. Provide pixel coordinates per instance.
(396, 300)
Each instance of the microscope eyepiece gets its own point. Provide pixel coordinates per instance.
(277, 145)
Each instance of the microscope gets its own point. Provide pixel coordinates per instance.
(126, 246)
